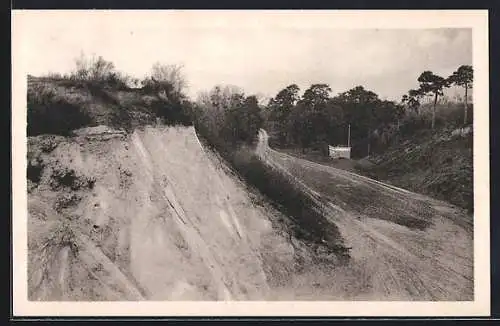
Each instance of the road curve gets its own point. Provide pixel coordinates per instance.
(405, 246)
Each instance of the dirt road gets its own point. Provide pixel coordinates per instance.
(405, 246)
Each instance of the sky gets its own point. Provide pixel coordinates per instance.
(260, 52)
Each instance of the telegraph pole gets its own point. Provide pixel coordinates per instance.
(349, 136)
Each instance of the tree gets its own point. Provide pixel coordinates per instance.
(210, 109)
(432, 84)
(335, 123)
(313, 107)
(412, 99)
(233, 125)
(167, 78)
(250, 119)
(316, 95)
(360, 95)
(96, 69)
(226, 114)
(463, 76)
(368, 116)
(280, 108)
(101, 69)
(288, 96)
(300, 130)
(360, 106)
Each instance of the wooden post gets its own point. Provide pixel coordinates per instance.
(349, 136)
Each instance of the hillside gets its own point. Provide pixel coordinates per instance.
(439, 164)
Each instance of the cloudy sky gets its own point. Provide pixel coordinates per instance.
(260, 52)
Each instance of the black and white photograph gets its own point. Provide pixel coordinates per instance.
(251, 156)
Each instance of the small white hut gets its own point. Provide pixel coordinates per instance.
(339, 152)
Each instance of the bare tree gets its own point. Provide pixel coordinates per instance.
(169, 77)
(93, 68)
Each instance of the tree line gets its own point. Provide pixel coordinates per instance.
(309, 119)
(316, 118)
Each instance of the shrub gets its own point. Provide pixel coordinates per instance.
(173, 111)
(98, 71)
(167, 84)
(50, 114)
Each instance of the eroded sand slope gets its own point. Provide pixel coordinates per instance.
(151, 216)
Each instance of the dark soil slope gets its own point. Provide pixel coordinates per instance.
(438, 164)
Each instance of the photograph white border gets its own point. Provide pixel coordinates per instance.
(345, 19)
